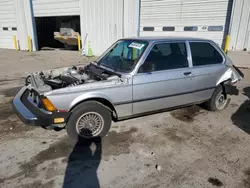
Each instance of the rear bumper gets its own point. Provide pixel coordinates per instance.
(33, 115)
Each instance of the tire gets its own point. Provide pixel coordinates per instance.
(213, 105)
(82, 113)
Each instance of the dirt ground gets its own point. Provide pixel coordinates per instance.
(186, 148)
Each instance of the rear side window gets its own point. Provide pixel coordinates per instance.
(204, 54)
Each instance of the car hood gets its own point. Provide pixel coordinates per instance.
(100, 85)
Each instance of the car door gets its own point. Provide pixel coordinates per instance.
(208, 66)
(164, 80)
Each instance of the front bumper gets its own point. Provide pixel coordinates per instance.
(31, 114)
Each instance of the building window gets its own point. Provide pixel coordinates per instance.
(14, 28)
(168, 29)
(215, 28)
(5, 28)
(148, 28)
(191, 28)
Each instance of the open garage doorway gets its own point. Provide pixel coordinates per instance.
(58, 32)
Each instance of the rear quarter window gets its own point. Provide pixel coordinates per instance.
(204, 53)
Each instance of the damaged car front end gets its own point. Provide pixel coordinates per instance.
(33, 102)
(49, 96)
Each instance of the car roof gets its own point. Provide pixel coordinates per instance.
(168, 38)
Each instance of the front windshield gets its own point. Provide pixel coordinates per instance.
(124, 55)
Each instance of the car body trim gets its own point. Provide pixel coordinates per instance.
(160, 97)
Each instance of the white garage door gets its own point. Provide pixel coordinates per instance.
(44, 8)
(8, 26)
(192, 18)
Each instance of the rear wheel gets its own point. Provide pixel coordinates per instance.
(89, 120)
(219, 100)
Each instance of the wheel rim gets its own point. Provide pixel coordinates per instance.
(89, 124)
(220, 101)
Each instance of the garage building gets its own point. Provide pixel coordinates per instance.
(200, 18)
(102, 22)
(8, 23)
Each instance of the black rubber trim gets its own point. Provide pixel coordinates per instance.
(239, 71)
(43, 118)
(231, 89)
(160, 97)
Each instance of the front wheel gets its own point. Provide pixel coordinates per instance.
(219, 100)
(89, 120)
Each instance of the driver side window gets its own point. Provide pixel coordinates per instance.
(165, 56)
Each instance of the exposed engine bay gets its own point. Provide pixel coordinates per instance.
(67, 77)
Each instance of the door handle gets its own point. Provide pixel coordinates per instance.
(187, 73)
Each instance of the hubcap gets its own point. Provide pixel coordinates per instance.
(89, 124)
(220, 101)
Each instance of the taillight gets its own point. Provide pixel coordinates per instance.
(48, 104)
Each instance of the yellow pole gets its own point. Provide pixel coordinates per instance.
(79, 42)
(29, 44)
(15, 43)
(227, 43)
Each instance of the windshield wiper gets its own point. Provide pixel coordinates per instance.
(114, 70)
(111, 71)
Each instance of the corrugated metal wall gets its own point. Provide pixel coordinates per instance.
(103, 21)
(181, 13)
(240, 26)
(25, 24)
(44, 8)
(131, 18)
(8, 25)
